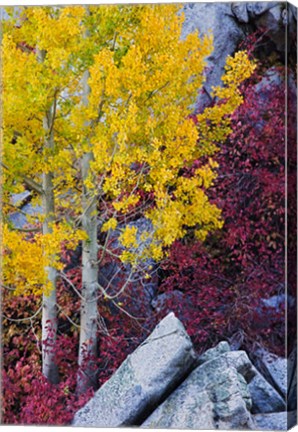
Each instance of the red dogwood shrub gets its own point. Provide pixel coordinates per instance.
(235, 283)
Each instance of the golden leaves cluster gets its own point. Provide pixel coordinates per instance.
(144, 80)
(25, 257)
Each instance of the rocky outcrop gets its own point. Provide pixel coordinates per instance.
(214, 396)
(230, 22)
(275, 421)
(274, 17)
(212, 353)
(265, 399)
(25, 212)
(292, 380)
(227, 34)
(273, 368)
(163, 384)
(156, 367)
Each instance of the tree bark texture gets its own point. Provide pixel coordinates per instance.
(89, 311)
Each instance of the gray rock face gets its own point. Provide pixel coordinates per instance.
(148, 374)
(273, 368)
(230, 22)
(270, 15)
(292, 380)
(160, 300)
(20, 218)
(212, 353)
(19, 198)
(265, 399)
(256, 9)
(278, 302)
(214, 396)
(164, 385)
(275, 421)
(227, 34)
(273, 16)
(240, 11)
(271, 78)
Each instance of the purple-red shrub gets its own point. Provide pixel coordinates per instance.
(28, 398)
(227, 279)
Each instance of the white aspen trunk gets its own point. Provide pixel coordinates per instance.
(89, 311)
(49, 309)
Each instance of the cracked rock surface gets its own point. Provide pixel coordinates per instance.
(150, 372)
(214, 396)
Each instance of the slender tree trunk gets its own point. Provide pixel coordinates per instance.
(89, 311)
(49, 309)
(49, 312)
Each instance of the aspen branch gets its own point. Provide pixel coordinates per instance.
(16, 209)
(154, 92)
(122, 289)
(102, 326)
(26, 230)
(63, 276)
(106, 251)
(24, 319)
(68, 318)
(137, 319)
(30, 183)
(114, 41)
(7, 287)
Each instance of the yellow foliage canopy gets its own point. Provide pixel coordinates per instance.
(143, 81)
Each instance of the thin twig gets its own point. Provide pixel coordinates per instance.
(69, 319)
(23, 319)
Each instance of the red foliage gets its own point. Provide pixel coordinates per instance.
(226, 280)
(28, 398)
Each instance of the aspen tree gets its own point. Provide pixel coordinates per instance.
(121, 84)
(33, 84)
